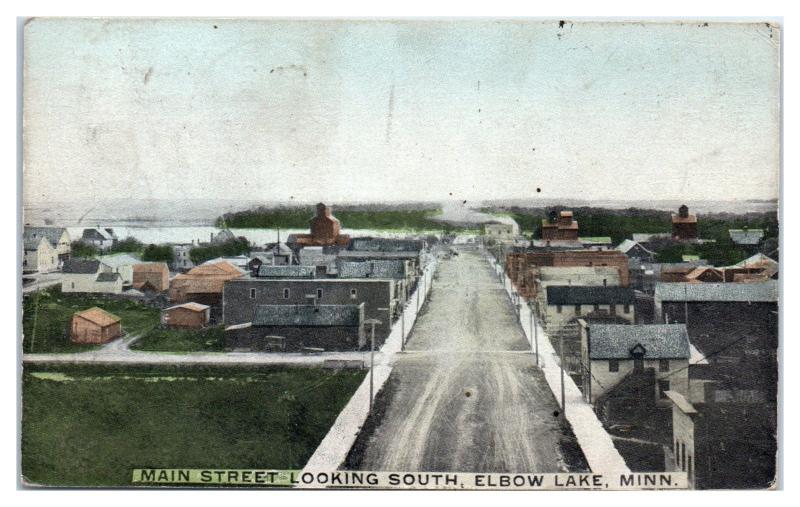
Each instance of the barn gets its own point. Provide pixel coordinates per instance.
(95, 325)
(187, 315)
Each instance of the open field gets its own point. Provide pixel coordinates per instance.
(90, 425)
(47, 314)
(210, 339)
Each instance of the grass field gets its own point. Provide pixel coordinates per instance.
(91, 425)
(47, 314)
(210, 339)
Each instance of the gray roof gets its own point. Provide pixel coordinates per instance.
(107, 277)
(386, 244)
(627, 244)
(32, 236)
(269, 271)
(761, 292)
(379, 268)
(584, 295)
(366, 255)
(756, 259)
(307, 315)
(99, 234)
(746, 236)
(80, 266)
(119, 260)
(660, 341)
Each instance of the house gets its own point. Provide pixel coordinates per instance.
(705, 274)
(723, 442)
(90, 276)
(94, 326)
(39, 256)
(761, 263)
(121, 263)
(500, 231)
(204, 284)
(684, 224)
(282, 254)
(186, 315)
(181, 257)
(649, 237)
(521, 266)
(611, 352)
(401, 270)
(544, 276)
(325, 231)
(560, 226)
(381, 297)
(562, 307)
(58, 237)
(294, 327)
(151, 276)
(635, 250)
(102, 238)
(746, 237)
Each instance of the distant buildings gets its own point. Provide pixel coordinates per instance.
(203, 284)
(746, 237)
(684, 225)
(102, 238)
(121, 263)
(90, 276)
(181, 258)
(325, 231)
(94, 326)
(151, 277)
(560, 227)
(499, 231)
(635, 251)
(41, 257)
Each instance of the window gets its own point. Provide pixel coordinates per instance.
(689, 467)
(683, 456)
(319, 293)
(73, 285)
(663, 387)
(353, 293)
(577, 309)
(597, 308)
(677, 453)
(558, 308)
(613, 365)
(285, 293)
(663, 365)
(612, 309)
(627, 309)
(252, 293)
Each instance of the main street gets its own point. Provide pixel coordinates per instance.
(465, 396)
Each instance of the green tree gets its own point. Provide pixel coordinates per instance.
(128, 245)
(232, 247)
(79, 249)
(158, 253)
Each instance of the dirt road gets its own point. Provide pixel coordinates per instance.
(466, 396)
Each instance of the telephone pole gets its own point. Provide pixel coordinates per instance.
(373, 323)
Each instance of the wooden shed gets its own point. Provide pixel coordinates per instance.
(187, 315)
(151, 276)
(95, 325)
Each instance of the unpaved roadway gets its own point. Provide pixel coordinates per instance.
(466, 396)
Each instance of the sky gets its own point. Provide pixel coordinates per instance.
(347, 111)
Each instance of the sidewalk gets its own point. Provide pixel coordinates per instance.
(597, 446)
(333, 449)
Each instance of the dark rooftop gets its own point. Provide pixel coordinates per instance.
(659, 341)
(80, 266)
(584, 295)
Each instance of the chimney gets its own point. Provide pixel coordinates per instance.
(553, 216)
(683, 211)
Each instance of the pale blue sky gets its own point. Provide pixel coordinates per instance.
(346, 111)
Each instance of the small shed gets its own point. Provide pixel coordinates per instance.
(187, 315)
(95, 325)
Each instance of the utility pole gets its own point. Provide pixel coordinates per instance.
(561, 353)
(373, 323)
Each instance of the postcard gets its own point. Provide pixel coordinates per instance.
(533, 254)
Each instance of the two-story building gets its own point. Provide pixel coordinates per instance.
(90, 276)
(58, 239)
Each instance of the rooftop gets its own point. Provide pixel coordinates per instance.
(118, 260)
(269, 271)
(195, 307)
(763, 292)
(658, 341)
(81, 266)
(746, 236)
(108, 277)
(681, 402)
(98, 316)
(32, 236)
(584, 295)
(307, 315)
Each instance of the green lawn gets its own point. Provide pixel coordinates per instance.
(47, 314)
(211, 339)
(91, 425)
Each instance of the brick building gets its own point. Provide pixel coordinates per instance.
(325, 231)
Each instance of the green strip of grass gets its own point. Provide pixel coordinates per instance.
(91, 425)
(211, 339)
(47, 314)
